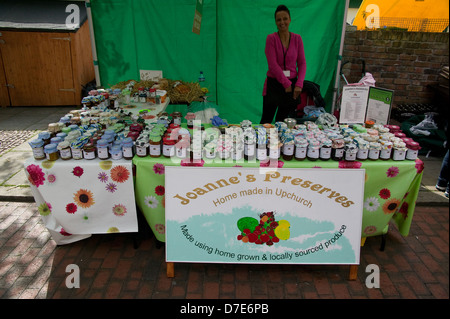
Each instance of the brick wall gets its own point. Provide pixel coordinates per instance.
(405, 62)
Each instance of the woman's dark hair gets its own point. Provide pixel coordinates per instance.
(282, 7)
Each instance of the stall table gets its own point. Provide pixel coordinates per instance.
(391, 189)
(78, 198)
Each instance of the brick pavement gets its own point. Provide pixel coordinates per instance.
(33, 267)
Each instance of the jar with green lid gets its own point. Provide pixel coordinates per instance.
(51, 152)
(64, 150)
(37, 147)
(89, 151)
(155, 144)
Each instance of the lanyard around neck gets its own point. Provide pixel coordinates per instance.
(285, 51)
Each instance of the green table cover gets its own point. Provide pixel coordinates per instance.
(391, 189)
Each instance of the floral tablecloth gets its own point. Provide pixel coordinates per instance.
(78, 198)
(390, 193)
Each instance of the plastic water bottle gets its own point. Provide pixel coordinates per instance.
(201, 77)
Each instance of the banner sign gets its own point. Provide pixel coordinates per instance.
(198, 17)
(245, 215)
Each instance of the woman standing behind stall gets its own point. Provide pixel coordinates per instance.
(287, 67)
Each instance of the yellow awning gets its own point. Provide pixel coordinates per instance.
(414, 15)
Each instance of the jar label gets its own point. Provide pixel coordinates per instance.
(325, 152)
(399, 155)
(300, 152)
(65, 153)
(177, 120)
(313, 153)
(155, 150)
(339, 152)
(141, 150)
(412, 154)
(181, 152)
(249, 149)
(288, 149)
(116, 156)
(38, 152)
(385, 154)
(274, 153)
(128, 151)
(362, 153)
(102, 152)
(350, 156)
(77, 153)
(89, 155)
(210, 155)
(197, 155)
(168, 150)
(261, 153)
(374, 154)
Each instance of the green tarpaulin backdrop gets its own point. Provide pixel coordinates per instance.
(133, 35)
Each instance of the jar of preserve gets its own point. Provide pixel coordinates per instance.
(288, 146)
(249, 144)
(142, 148)
(190, 117)
(369, 124)
(154, 144)
(102, 149)
(64, 150)
(51, 152)
(77, 150)
(374, 151)
(127, 148)
(363, 149)
(45, 136)
(350, 152)
(89, 151)
(261, 152)
(181, 147)
(176, 116)
(399, 151)
(209, 150)
(37, 147)
(325, 150)
(337, 149)
(386, 149)
(116, 152)
(301, 147)
(413, 150)
(168, 148)
(54, 128)
(313, 152)
(274, 149)
(56, 140)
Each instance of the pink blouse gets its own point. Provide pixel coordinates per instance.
(277, 55)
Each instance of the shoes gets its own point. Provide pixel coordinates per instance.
(446, 193)
(440, 188)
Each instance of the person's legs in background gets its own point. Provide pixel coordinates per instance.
(443, 182)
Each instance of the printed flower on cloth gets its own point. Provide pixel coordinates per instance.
(85, 197)
(35, 175)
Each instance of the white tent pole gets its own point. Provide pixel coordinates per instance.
(341, 50)
(94, 48)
